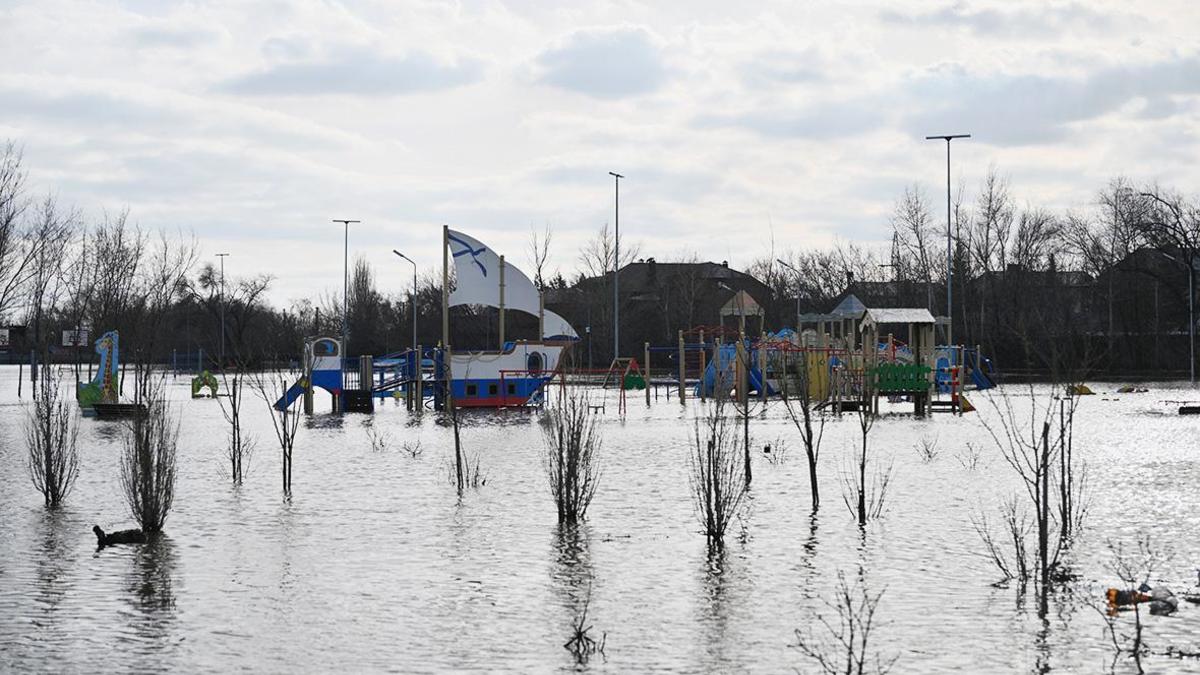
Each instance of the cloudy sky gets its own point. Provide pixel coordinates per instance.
(254, 124)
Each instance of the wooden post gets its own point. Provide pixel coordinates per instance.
(646, 372)
(419, 403)
(682, 370)
(762, 371)
(742, 377)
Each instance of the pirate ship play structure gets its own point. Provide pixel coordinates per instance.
(513, 375)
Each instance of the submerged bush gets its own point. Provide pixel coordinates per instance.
(572, 447)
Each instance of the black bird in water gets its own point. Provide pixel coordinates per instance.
(122, 537)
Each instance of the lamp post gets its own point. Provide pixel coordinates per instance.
(221, 351)
(781, 262)
(412, 299)
(949, 251)
(616, 262)
(345, 285)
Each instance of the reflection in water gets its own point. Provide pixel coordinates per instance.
(149, 585)
(807, 561)
(571, 574)
(714, 610)
(53, 562)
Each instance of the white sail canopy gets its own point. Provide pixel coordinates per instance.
(477, 269)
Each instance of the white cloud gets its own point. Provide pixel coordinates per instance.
(361, 72)
(253, 126)
(605, 63)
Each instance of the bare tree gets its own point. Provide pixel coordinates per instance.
(239, 447)
(1037, 239)
(572, 446)
(1040, 460)
(843, 645)
(801, 410)
(51, 431)
(148, 461)
(717, 472)
(285, 420)
(916, 233)
(993, 224)
(49, 235)
(865, 492)
(599, 253)
(241, 301)
(16, 256)
(539, 253)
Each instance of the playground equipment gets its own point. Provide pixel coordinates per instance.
(205, 380)
(322, 368)
(103, 387)
(512, 376)
(100, 397)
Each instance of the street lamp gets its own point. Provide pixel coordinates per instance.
(949, 253)
(797, 292)
(616, 261)
(345, 284)
(221, 351)
(412, 299)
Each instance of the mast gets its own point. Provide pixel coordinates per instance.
(502, 303)
(445, 286)
(449, 401)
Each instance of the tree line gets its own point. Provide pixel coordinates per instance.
(1107, 282)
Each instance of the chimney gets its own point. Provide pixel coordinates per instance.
(724, 263)
(652, 269)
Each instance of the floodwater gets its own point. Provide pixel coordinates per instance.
(375, 564)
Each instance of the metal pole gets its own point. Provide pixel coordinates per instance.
(345, 283)
(949, 254)
(1192, 318)
(412, 298)
(949, 238)
(616, 262)
(221, 351)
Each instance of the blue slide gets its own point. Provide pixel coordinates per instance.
(289, 397)
(727, 355)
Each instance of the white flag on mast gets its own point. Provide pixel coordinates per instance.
(477, 272)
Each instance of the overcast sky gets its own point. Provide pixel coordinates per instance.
(254, 124)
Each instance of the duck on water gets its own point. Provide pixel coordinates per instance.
(120, 537)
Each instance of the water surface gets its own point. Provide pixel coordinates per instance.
(374, 563)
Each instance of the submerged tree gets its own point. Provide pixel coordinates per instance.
(284, 419)
(717, 472)
(801, 410)
(1053, 480)
(572, 446)
(238, 447)
(51, 430)
(148, 462)
(865, 491)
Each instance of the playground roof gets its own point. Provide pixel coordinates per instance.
(878, 316)
(742, 304)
